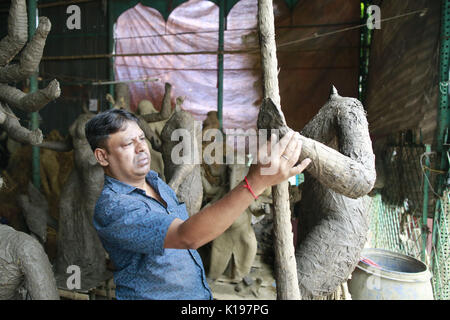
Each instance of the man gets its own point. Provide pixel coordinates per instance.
(146, 231)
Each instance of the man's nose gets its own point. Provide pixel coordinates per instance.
(140, 146)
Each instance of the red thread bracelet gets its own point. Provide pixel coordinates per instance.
(247, 186)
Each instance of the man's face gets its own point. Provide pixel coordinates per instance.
(126, 154)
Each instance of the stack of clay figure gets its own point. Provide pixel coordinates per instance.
(332, 221)
(25, 270)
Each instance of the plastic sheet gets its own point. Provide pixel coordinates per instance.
(192, 27)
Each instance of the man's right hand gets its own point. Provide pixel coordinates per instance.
(276, 162)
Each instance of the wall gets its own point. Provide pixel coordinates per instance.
(403, 71)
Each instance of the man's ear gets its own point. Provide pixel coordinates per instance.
(102, 157)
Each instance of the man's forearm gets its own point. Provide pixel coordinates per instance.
(213, 220)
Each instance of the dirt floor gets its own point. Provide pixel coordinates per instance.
(258, 285)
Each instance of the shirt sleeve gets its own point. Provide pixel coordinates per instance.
(130, 225)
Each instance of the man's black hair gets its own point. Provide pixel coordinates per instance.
(99, 128)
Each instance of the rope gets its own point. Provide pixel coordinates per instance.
(315, 36)
(434, 170)
(424, 174)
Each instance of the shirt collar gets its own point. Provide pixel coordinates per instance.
(124, 188)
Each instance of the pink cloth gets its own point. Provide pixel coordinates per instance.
(192, 27)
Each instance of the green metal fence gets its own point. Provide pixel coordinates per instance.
(441, 251)
(406, 205)
(392, 228)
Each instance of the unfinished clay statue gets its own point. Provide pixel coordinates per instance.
(157, 120)
(25, 272)
(333, 224)
(184, 177)
(78, 242)
(238, 242)
(237, 246)
(147, 107)
(214, 175)
(28, 63)
(36, 212)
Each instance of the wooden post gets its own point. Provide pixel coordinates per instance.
(285, 264)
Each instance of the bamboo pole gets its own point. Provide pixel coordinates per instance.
(149, 54)
(72, 295)
(285, 264)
